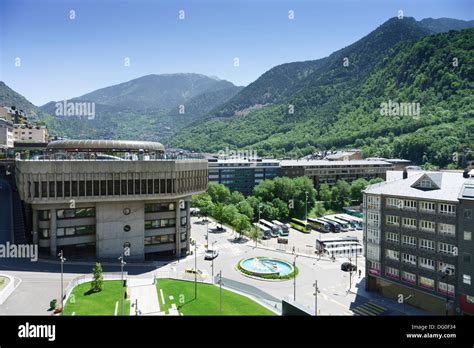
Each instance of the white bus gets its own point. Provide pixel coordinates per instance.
(284, 229)
(266, 232)
(340, 247)
(274, 229)
(344, 224)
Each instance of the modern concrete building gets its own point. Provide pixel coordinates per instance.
(6, 134)
(323, 171)
(30, 133)
(418, 240)
(85, 199)
(242, 174)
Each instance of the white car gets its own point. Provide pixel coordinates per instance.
(211, 254)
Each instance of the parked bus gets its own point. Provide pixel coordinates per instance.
(357, 220)
(284, 230)
(266, 232)
(344, 224)
(274, 229)
(340, 247)
(333, 226)
(300, 225)
(355, 224)
(320, 225)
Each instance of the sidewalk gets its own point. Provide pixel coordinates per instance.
(359, 290)
(143, 297)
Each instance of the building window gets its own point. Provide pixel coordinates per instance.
(426, 263)
(409, 223)
(159, 223)
(425, 183)
(392, 237)
(158, 207)
(427, 244)
(408, 240)
(467, 235)
(374, 268)
(466, 257)
(184, 221)
(373, 219)
(392, 255)
(409, 277)
(466, 279)
(448, 249)
(446, 288)
(394, 203)
(427, 226)
(43, 233)
(373, 202)
(409, 204)
(446, 268)
(447, 229)
(470, 299)
(410, 259)
(75, 213)
(75, 230)
(167, 238)
(44, 215)
(428, 207)
(392, 220)
(448, 209)
(392, 272)
(427, 283)
(126, 228)
(373, 235)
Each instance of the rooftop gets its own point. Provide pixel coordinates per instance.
(304, 163)
(105, 145)
(449, 184)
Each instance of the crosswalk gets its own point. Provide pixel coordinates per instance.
(368, 309)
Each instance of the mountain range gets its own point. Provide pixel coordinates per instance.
(297, 108)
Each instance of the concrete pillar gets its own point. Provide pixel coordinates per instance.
(52, 233)
(178, 229)
(35, 226)
(188, 224)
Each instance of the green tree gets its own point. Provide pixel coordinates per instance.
(325, 195)
(356, 189)
(236, 197)
(245, 208)
(229, 213)
(219, 193)
(98, 278)
(241, 224)
(341, 194)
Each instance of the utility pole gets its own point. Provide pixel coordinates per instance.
(212, 262)
(195, 269)
(207, 232)
(122, 263)
(220, 292)
(294, 278)
(306, 206)
(316, 290)
(61, 257)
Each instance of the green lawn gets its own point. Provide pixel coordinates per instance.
(100, 303)
(207, 302)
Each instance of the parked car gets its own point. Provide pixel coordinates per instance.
(220, 229)
(348, 267)
(211, 254)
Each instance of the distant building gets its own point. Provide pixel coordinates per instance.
(13, 115)
(242, 174)
(418, 240)
(398, 164)
(349, 155)
(30, 133)
(82, 197)
(6, 134)
(329, 172)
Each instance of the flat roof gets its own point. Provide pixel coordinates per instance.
(304, 163)
(105, 145)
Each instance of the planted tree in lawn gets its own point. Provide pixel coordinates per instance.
(98, 281)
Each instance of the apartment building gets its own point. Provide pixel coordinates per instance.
(242, 174)
(83, 197)
(30, 133)
(6, 134)
(329, 172)
(418, 240)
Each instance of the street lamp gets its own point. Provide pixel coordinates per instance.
(294, 278)
(220, 292)
(258, 231)
(212, 261)
(446, 273)
(316, 290)
(122, 263)
(306, 206)
(62, 258)
(207, 232)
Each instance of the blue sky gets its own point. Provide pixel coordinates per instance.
(63, 58)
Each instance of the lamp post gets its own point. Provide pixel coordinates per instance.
(122, 263)
(195, 269)
(220, 292)
(316, 290)
(207, 231)
(306, 206)
(294, 278)
(257, 231)
(212, 262)
(62, 258)
(446, 273)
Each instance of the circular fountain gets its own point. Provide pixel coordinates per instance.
(266, 268)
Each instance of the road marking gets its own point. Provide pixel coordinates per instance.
(73, 313)
(162, 296)
(116, 308)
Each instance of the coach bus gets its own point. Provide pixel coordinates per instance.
(300, 225)
(274, 230)
(344, 224)
(284, 230)
(320, 225)
(266, 232)
(333, 226)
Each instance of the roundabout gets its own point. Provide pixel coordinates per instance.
(267, 268)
